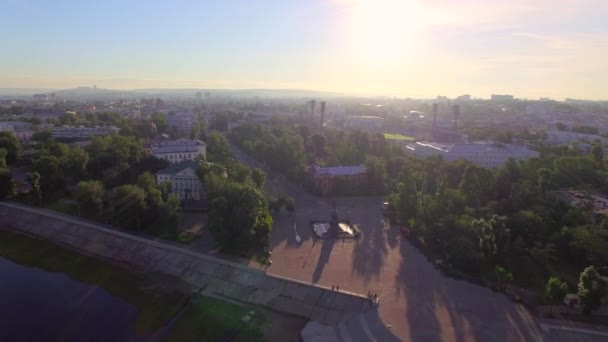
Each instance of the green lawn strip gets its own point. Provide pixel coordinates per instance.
(155, 307)
(66, 208)
(393, 136)
(211, 319)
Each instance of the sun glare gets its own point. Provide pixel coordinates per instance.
(383, 31)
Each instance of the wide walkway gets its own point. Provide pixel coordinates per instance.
(417, 301)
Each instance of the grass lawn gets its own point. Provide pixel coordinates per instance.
(63, 207)
(393, 136)
(211, 319)
(155, 307)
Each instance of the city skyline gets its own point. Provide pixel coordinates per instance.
(386, 47)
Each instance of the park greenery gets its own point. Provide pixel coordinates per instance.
(111, 180)
(510, 225)
(290, 150)
(238, 212)
(476, 220)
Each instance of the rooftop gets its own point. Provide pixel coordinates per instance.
(178, 142)
(175, 146)
(340, 170)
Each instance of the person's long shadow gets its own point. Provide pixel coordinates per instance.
(328, 245)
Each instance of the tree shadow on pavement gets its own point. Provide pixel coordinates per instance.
(326, 248)
(370, 252)
(443, 308)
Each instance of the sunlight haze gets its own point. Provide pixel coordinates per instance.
(412, 48)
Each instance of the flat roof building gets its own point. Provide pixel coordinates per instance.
(488, 155)
(176, 151)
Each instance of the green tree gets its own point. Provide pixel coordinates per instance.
(170, 216)
(51, 177)
(128, 205)
(502, 275)
(598, 153)
(154, 203)
(75, 162)
(290, 204)
(493, 235)
(7, 184)
(259, 177)
(42, 136)
(556, 289)
(560, 126)
(159, 119)
(591, 289)
(376, 175)
(36, 193)
(3, 154)
(90, 196)
(238, 215)
(544, 178)
(12, 145)
(218, 150)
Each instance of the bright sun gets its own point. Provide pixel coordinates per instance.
(383, 31)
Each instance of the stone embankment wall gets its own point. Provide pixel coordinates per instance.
(221, 277)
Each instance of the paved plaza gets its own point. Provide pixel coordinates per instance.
(416, 301)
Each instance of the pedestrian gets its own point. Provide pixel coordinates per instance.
(369, 294)
(337, 288)
(332, 287)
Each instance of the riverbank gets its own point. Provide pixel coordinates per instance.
(157, 297)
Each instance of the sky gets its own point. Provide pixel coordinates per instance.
(415, 48)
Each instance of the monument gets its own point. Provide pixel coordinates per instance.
(335, 228)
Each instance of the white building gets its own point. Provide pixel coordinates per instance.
(176, 151)
(185, 183)
(488, 155)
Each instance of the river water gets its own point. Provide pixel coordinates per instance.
(36, 305)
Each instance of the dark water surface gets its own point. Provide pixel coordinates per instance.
(36, 305)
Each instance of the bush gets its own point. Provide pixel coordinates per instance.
(555, 290)
(290, 204)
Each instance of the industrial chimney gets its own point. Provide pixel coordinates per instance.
(435, 108)
(456, 110)
(322, 113)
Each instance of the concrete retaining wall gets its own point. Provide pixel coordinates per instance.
(224, 278)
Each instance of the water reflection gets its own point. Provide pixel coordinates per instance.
(36, 305)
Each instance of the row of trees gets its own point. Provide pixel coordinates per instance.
(476, 219)
(290, 150)
(238, 212)
(142, 207)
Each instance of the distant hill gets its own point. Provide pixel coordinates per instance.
(101, 94)
(95, 94)
(24, 91)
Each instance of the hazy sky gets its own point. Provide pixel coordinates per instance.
(529, 48)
